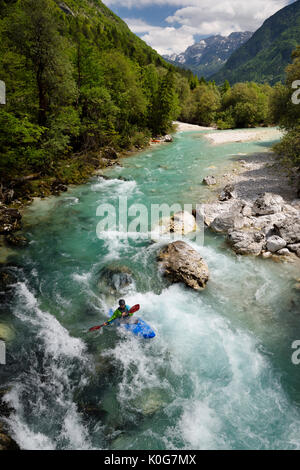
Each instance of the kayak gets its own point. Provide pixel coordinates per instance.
(141, 328)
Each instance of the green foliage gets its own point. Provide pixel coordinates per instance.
(288, 114)
(77, 81)
(267, 53)
(289, 148)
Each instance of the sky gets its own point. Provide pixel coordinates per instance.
(171, 26)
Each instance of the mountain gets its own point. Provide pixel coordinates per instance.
(267, 53)
(209, 55)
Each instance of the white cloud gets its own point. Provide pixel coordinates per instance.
(202, 17)
(167, 40)
(226, 16)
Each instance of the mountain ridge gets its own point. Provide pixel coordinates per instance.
(264, 57)
(207, 56)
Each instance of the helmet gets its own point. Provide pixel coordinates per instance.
(122, 303)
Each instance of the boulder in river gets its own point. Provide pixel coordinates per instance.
(268, 203)
(226, 222)
(181, 263)
(181, 223)
(10, 219)
(115, 279)
(246, 243)
(168, 138)
(275, 243)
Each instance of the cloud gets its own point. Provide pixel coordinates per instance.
(167, 40)
(226, 16)
(198, 17)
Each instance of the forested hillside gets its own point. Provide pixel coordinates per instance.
(77, 80)
(267, 53)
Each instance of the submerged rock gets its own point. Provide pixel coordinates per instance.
(181, 263)
(115, 279)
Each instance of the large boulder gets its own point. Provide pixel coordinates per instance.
(181, 263)
(226, 222)
(246, 243)
(289, 229)
(211, 211)
(268, 203)
(10, 219)
(275, 243)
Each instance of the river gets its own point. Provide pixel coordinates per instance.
(219, 373)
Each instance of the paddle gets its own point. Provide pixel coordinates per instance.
(133, 309)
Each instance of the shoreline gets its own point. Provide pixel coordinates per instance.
(243, 135)
(257, 164)
(257, 208)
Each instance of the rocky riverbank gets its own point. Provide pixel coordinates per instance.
(258, 208)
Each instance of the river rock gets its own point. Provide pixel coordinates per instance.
(110, 153)
(283, 252)
(275, 243)
(6, 333)
(168, 138)
(289, 230)
(209, 181)
(246, 243)
(181, 263)
(211, 211)
(16, 240)
(115, 279)
(295, 248)
(267, 223)
(10, 219)
(228, 193)
(6, 442)
(181, 223)
(268, 203)
(226, 222)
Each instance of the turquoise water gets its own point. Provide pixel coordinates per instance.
(219, 373)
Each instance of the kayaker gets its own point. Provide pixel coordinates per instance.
(122, 313)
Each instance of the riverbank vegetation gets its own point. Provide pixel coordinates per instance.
(81, 87)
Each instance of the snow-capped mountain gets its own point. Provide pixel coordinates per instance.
(208, 55)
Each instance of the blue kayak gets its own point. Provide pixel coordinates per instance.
(141, 328)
